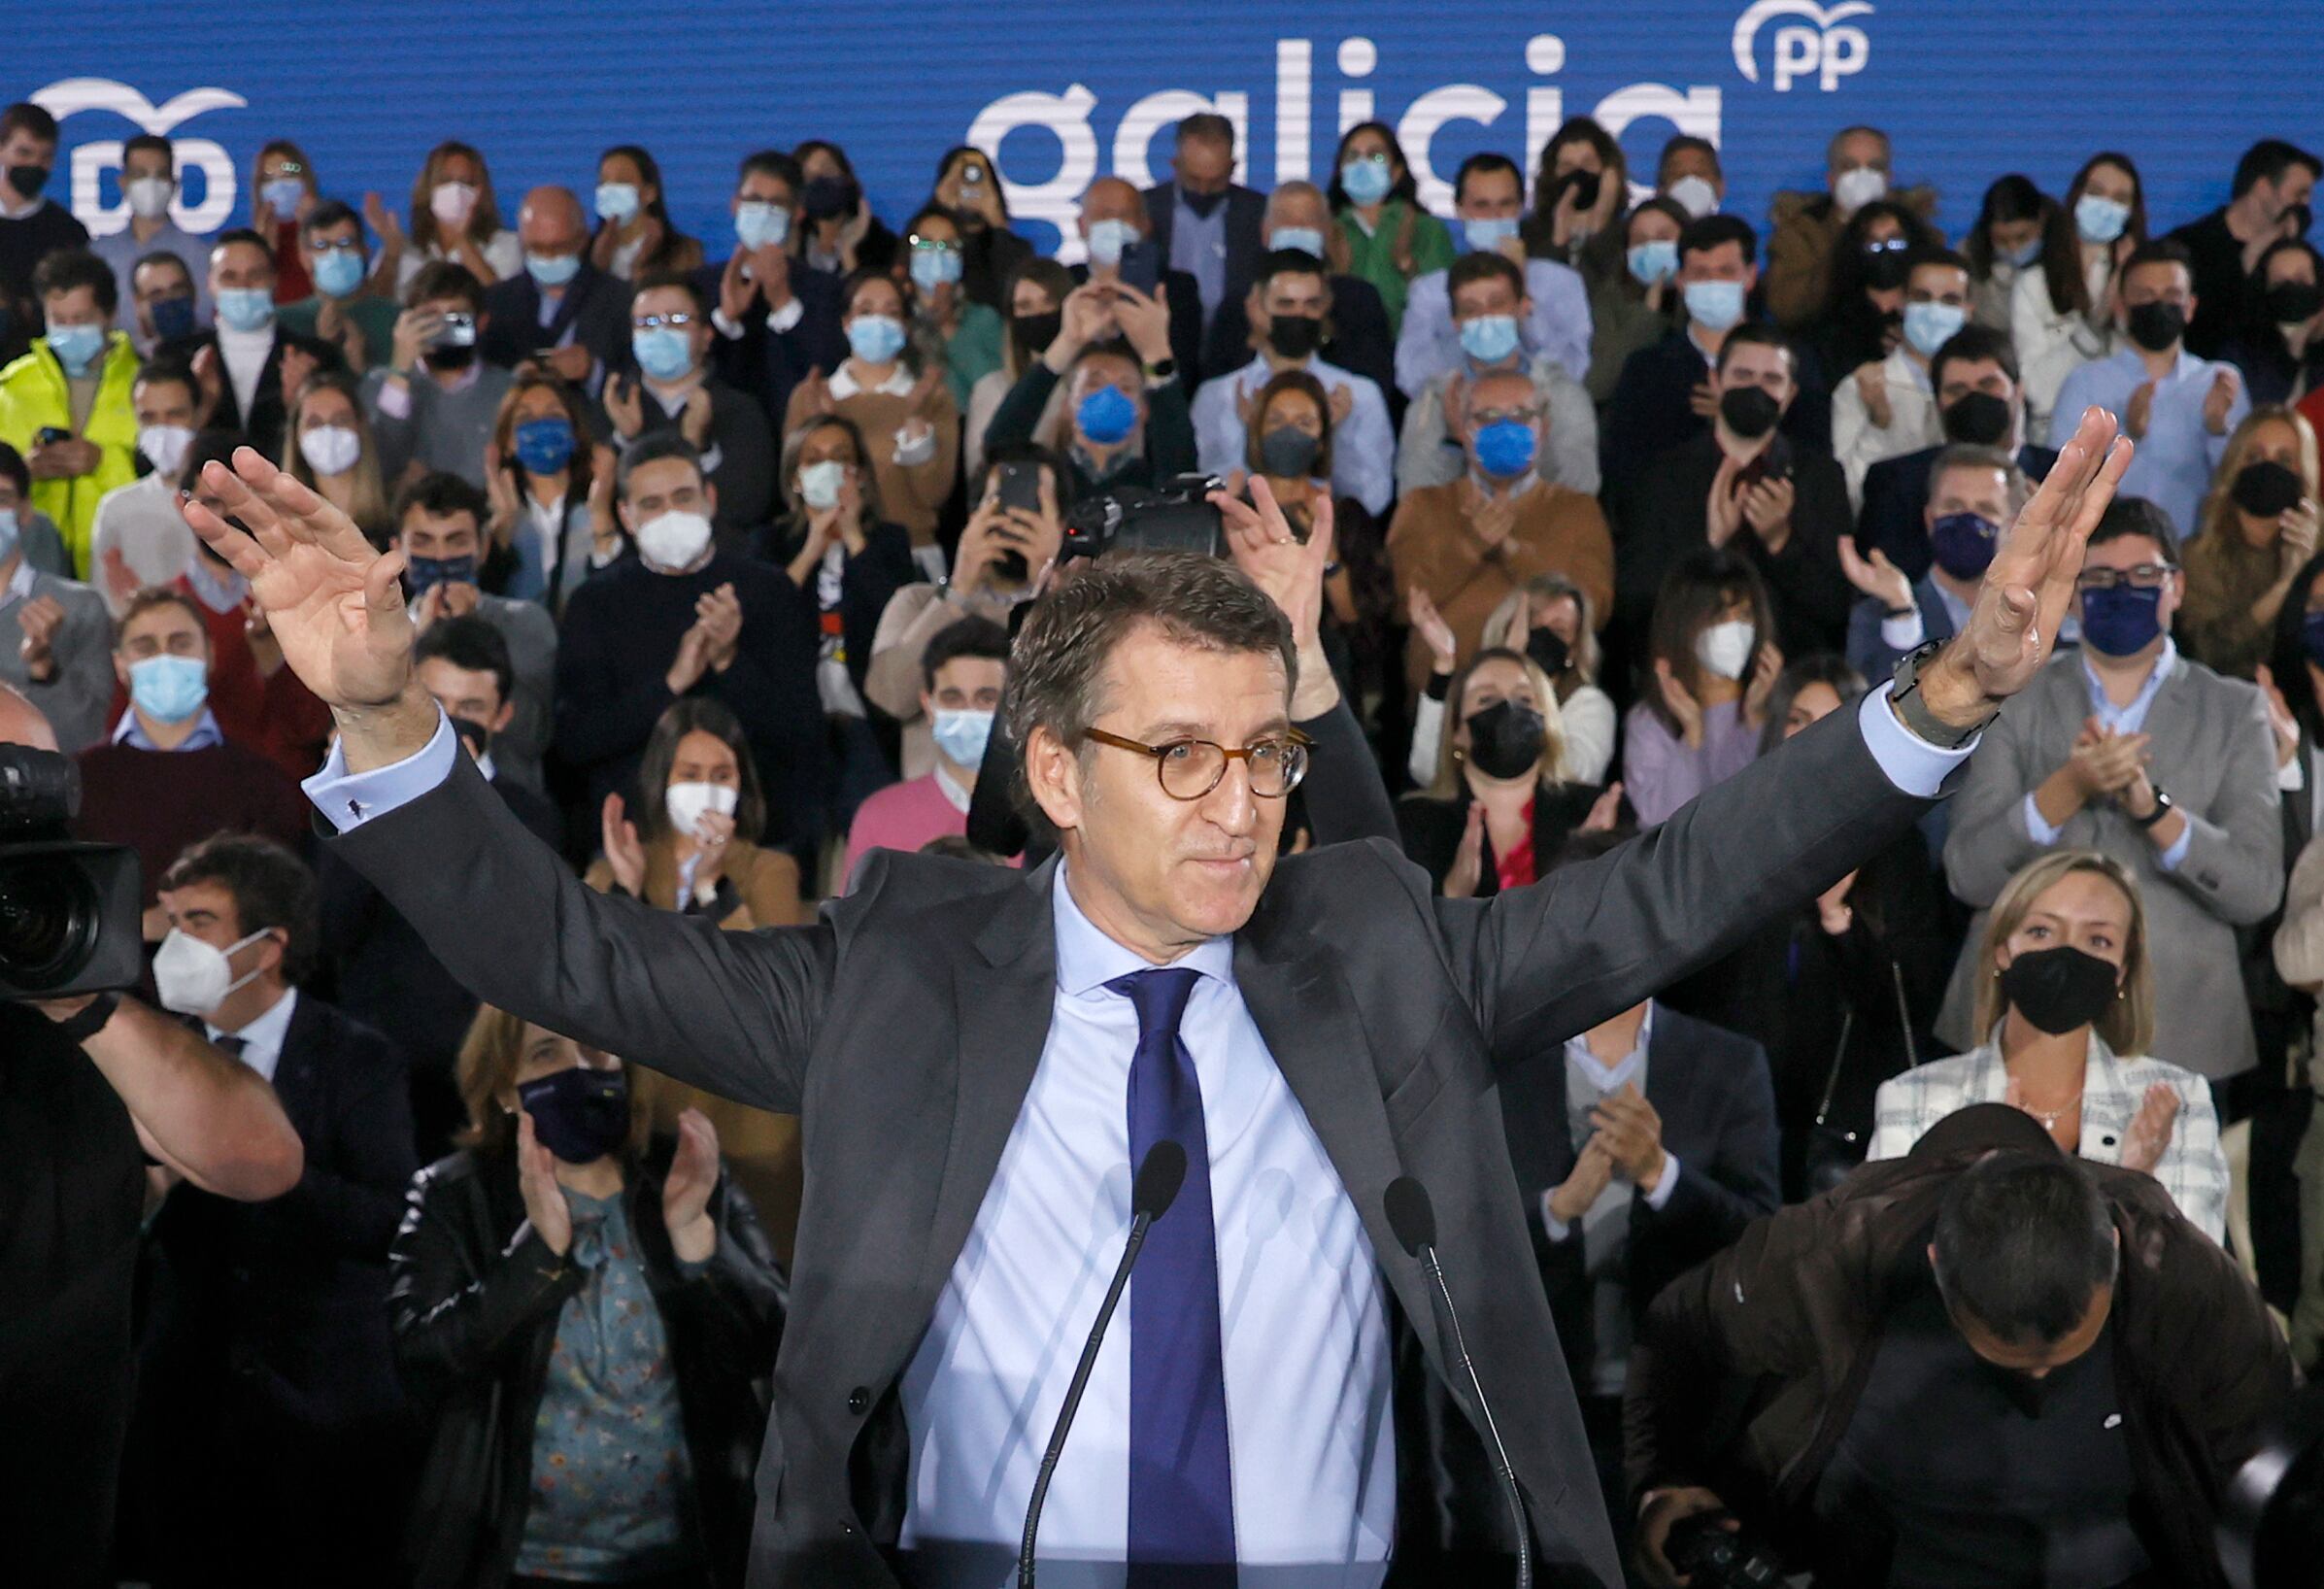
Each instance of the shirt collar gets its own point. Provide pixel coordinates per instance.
(219, 593)
(844, 384)
(9, 212)
(263, 1038)
(2166, 660)
(132, 733)
(20, 584)
(956, 794)
(1087, 959)
(1610, 1078)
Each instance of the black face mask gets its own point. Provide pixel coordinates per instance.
(1885, 269)
(2155, 325)
(1585, 185)
(1978, 418)
(1548, 649)
(473, 735)
(1506, 739)
(2059, 990)
(1202, 204)
(1295, 336)
(28, 180)
(2290, 301)
(827, 196)
(579, 1115)
(2266, 489)
(1749, 412)
(1035, 332)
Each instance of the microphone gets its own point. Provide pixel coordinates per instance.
(1413, 1219)
(1159, 1175)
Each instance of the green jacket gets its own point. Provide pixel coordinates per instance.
(34, 397)
(1410, 243)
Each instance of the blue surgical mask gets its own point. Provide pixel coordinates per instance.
(962, 735)
(8, 533)
(286, 194)
(875, 338)
(1489, 234)
(1505, 449)
(1929, 327)
(2099, 220)
(2024, 254)
(1108, 239)
(552, 269)
(75, 347)
(338, 273)
(171, 317)
(169, 689)
(2121, 621)
(1106, 415)
(245, 308)
(1304, 239)
(1366, 180)
(758, 225)
(661, 353)
(544, 446)
(933, 268)
(616, 201)
(1652, 262)
(1715, 306)
(420, 573)
(1488, 338)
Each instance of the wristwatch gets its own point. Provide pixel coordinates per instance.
(1160, 370)
(1918, 719)
(2161, 808)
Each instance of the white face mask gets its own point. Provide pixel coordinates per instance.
(1858, 187)
(149, 196)
(673, 541)
(164, 447)
(331, 449)
(820, 484)
(451, 202)
(1695, 196)
(687, 803)
(1725, 648)
(193, 977)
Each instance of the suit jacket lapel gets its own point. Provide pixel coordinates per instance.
(295, 1081)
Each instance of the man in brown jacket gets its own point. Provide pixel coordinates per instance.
(1982, 1363)
(1803, 226)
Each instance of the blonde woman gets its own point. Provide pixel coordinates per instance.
(2258, 528)
(1550, 620)
(329, 449)
(2066, 997)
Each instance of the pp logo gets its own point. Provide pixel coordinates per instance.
(1826, 50)
(92, 160)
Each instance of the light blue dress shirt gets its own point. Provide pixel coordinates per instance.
(132, 733)
(1362, 445)
(2129, 718)
(2178, 454)
(1198, 247)
(1558, 329)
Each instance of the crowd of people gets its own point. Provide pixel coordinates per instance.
(716, 547)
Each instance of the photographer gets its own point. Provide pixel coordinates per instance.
(71, 1136)
(1984, 1362)
(435, 404)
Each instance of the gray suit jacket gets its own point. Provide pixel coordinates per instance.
(78, 696)
(2213, 754)
(906, 1023)
(532, 636)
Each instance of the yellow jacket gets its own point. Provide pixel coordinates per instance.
(34, 397)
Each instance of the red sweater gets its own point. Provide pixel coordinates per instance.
(279, 717)
(162, 803)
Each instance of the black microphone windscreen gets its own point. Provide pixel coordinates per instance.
(1410, 1214)
(1160, 1176)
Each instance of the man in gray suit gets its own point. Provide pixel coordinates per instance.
(2130, 748)
(57, 646)
(964, 1045)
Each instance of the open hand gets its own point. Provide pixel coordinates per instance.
(1468, 860)
(686, 1191)
(1444, 650)
(1681, 702)
(1766, 668)
(2148, 1138)
(1592, 1173)
(2221, 401)
(1633, 1132)
(1723, 508)
(1290, 571)
(545, 1207)
(625, 852)
(1878, 578)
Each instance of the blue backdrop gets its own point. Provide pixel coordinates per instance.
(1060, 93)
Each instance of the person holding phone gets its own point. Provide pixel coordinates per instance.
(969, 189)
(1118, 248)
(435, 406)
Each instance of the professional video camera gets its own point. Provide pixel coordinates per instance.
(2272, 1521)
(69, 916)
(1178, 517)
(1710, 1556)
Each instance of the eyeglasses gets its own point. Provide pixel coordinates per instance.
(336, 245)
(933, 245)
(1497, 416)
(2147, 576)
(1191, 769)
(1889, 245)
(676, 322)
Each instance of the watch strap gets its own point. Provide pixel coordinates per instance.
(2161, 808)
(92, 1018)
(1918, 720)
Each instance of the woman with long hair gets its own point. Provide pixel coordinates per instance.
(1033, 300)
(282, 189)
(1712, 651)
(969, 189)
(634, 237)
(2062, 315)
(1379, 230)
(965, 335)
(455, 216)
(840, 234)
(552, 490)
(1863, 316)
(1580, 188)
(2258, 528)
(328, 447)
(1551, 620)
(2017, 228)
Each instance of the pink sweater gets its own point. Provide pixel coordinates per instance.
(901, 816)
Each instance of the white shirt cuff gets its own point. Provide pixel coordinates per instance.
(2036, 830)
(911, 455)
(350, 799)
(2290, 777)
(2169, 858)
(1659, 1197)
(1912, 764)
(395, 397)
(1903, 631)
(789, 315)
(1557, 1228)
(722, 325)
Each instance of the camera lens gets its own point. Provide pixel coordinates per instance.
(48, 918)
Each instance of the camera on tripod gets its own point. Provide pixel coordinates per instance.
(1177, 518)
(1712, 1556)
(69, 911)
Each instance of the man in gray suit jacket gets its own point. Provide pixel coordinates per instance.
(57, 646)
(964, 1044)
(2130, 748)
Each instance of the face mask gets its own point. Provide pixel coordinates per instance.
(164, 446)
(1859, 185)
(1885, 268)
(149, 196)
(962, 737)
(1548, 649)
(1652, 262)
(1963, 544)
(1295, 336)
(820, 484)
(8, 533)
(661, 353)
(423, 574)
(283, 195)
(1506, 739)
(1724, 649)
(1287, 453)
(2099, 220)
(1978, 419)
(338, 273)
(246, 308)
(825, 197)
(673, 541)
(1105, 415)
(1366, 180)
(2290, 302)
(2155, 326)
(1715, 306)
(1488, 338)
(1504, 449)
(2122, 622)
(2266, 489)
(1483, 234)
(1749, 411)
(2311, 637)
(331, 449)
(1929, 327)
(616, 201)
(2059, 990)
(1202, 204)
(1302, 239)
(552, 269)
(169, 689)
(933, 268)
(193, 977)
(173, 318)
(1035, 332)
(687, 803)
(475, 735)
(1695, 196)
(452, 202)
(1108, 239)
(2024, 254)
(75, 347)
(580, 1115)
(875, 338)
(758, 225)
(1584, 186)
(544, 446)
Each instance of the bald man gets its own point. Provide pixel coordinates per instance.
(559, 310)
(1115, 232)
(1298, 217)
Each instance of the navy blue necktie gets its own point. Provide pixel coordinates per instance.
(1181, 1490)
